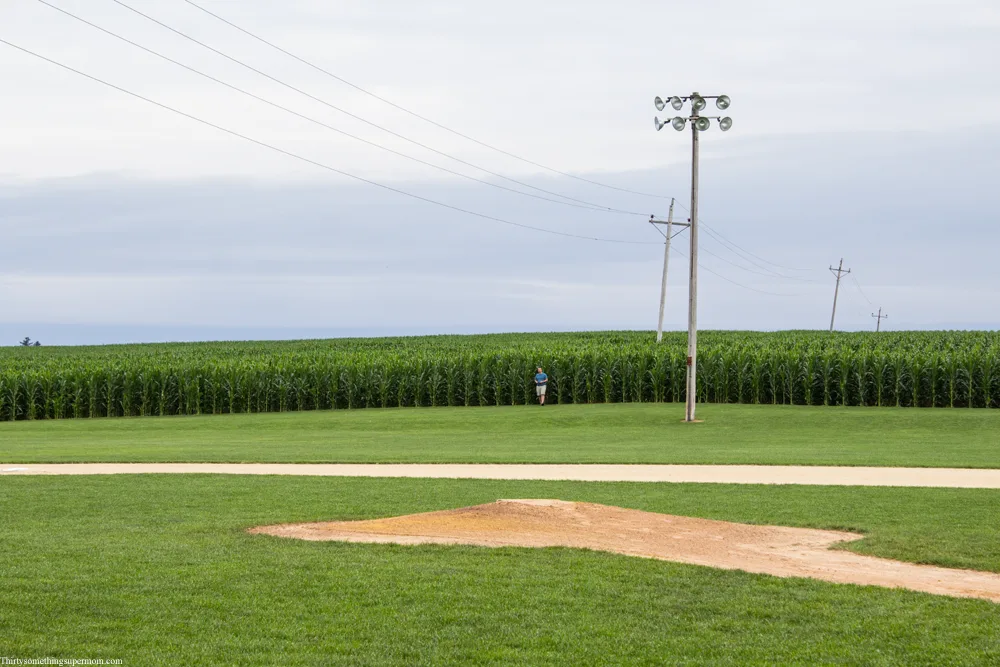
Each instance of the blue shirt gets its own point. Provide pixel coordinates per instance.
(541, 378)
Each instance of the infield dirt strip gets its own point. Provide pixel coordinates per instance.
(966, 478)
(774, 550)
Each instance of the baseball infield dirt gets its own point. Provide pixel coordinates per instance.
(774, 550)
(967, 478)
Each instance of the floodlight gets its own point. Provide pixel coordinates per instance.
(658, 124)
(698, 103)
(725, 123)
(659, 104)
(703, 124)
(677, 103)
(723, 102)
(679, 123)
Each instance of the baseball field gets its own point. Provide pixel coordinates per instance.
(160, 569)
(858, 553)
(163, 569)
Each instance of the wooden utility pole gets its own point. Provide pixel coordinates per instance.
(839, 271)
(880, 316)
(666, 261)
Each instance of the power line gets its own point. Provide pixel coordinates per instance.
(861, 291)
(664, 235)
(744, 253)
(358, 178)
(413, 113)
(767, 272)
(338, 171)
(587, 206)
(366, 121)
(729, 280)
(723, 239)
(314, 162)
(771, 272)
(313, 120)
(747, 287)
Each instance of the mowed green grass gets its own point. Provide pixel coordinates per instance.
(157, 569)
(623, 433)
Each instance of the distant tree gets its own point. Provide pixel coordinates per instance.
(36, 344)
(27, 342)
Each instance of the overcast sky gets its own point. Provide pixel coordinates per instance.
(863, 130)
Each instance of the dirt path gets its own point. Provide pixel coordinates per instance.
(729, 474)
(775, 550)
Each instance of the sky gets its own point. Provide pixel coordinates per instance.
(862, 130)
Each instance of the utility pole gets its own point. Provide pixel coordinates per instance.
(839, 271)
(699, 124)
(666, 261)
(880, 316)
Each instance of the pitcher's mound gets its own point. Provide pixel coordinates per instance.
(775, 550)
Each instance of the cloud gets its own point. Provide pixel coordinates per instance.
(862, 130)
(565, 83)
(916, 227)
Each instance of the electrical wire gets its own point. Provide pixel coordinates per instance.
(718, 236)
(719, 257)
(729, 280)
(741, 252)
(758, 273)
(413, 113)
(313, 120)
(765, 271)
(314, 162)
(747, 287)
(364, 120)
(748, 255)
(722, 240)
(359, 178)
(684, 255)
(347, 174)
(861, 291)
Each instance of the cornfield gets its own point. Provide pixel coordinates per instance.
(907, 369)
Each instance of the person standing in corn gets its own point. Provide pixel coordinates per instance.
(541, 381)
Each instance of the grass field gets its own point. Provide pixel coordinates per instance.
(623, 433)
(158, 570)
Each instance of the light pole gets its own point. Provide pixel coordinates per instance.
(699, 124)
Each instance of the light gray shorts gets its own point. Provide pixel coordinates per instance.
(540, 389)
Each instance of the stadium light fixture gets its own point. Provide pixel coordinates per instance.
(699, 124)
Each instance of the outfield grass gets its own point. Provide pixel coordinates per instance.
(157, 569)
(624, 433)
